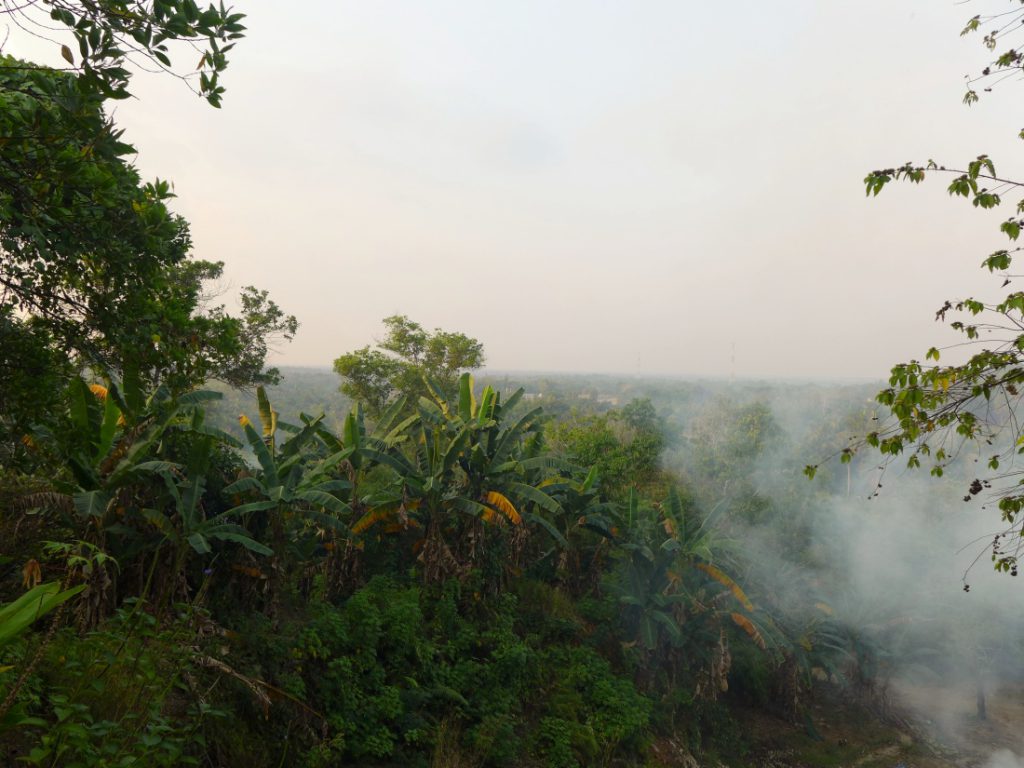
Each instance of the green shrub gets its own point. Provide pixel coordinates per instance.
(117, 697)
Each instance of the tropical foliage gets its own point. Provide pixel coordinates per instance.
(94, 265)
(383, 593)
(396, 368)
(444, 574)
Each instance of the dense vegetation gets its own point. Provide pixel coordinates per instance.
(461, 581)
(201, 568)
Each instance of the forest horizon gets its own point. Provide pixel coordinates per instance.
(782, 529)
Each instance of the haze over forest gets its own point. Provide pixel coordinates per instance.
(507, 385)
(614, 187)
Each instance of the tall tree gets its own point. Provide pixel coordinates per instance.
(95, 257)
(399, 365)
(94, 266)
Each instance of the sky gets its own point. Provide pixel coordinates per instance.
(648, 187)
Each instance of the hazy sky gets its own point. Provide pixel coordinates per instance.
(592, 186)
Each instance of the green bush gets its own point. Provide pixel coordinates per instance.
(116, 697)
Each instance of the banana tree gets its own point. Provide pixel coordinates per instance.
(588, 524)
(113, 440)
(115, 447)
(184, 522)
(371, 450)
(460, 465)
(677, 602)
(293, 483)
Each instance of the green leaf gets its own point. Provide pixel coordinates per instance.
(17, 616)
(467, 404)
(131, 388)
(263, 456)
(268, 417)
(399, 432)
(438, 393)
(398, 463)
(91, 503)
(669, 624)
(155, 467)
(535, 495)
(246, 541)
(513, 400)
(547, 525)
(325, 500)
(454, 448)
(488, 405)
(199, 543)
(387, 418)
(351, 431)
(81, 403)
(253, 506)
(512, 436)
(243, 485)
(108, 427)
(217, 434)
(138, 451)
(547, 462)
(326, 521)
(648, 632)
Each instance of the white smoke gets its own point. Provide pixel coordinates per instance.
(1004, 758)
(892, 569)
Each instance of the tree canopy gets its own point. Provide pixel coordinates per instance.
(96, 268)
(110, 39)
(623, 445)
(400, 363)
